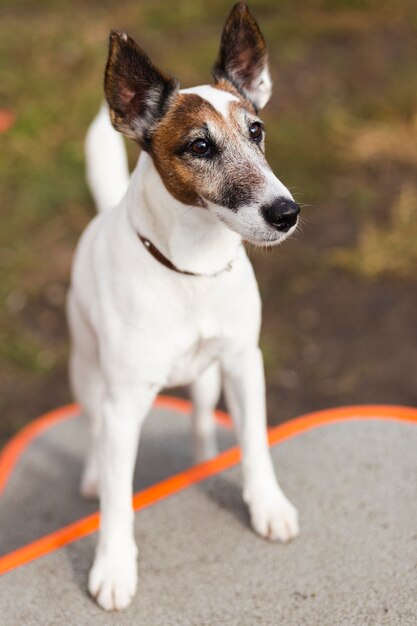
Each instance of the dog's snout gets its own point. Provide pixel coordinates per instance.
(282, 214)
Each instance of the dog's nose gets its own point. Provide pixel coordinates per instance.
(281, 214)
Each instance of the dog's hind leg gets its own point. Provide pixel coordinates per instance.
(205, 392)
(87, 386)
(91, 403)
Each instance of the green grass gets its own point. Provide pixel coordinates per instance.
(339, 66)
(388, 250)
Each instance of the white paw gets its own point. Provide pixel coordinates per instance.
(113, 577)
(273, 516)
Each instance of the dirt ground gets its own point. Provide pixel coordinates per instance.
(339, 299)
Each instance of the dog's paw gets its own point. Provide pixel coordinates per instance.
(113, 578)
(273, 516)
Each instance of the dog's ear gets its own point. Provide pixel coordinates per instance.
(137, 92)
(243, 57)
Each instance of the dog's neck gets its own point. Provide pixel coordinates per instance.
(190, 237)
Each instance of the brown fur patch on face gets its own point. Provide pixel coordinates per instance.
(185, 120)
(231, 175)
(236, 107)
(225, 85)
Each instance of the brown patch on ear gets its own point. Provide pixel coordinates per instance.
(243, 56)
(137, 92)
(186, 113)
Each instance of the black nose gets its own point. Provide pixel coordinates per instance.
(281, 214)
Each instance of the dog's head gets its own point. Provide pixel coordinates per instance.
(207, 142)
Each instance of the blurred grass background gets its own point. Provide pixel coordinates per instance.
(339, 298)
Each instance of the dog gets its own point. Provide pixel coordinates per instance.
(162, 292)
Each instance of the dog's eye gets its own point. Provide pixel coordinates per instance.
(256, 132)
(200, 147)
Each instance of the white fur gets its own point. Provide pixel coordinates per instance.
(107, 170)
(192, 238)
(262, 89)
(218, 98)
(137, 326)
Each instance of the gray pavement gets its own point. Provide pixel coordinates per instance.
(42, 494)
(354, 564)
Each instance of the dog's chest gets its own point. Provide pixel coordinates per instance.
(202, 350)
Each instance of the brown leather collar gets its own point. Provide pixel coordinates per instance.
(157, 254)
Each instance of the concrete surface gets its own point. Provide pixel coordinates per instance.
(42, 494)
(354, 564)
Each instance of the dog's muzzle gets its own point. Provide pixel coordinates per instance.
(282, 214)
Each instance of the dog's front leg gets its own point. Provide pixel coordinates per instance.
(113, 577)
(272, 515)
